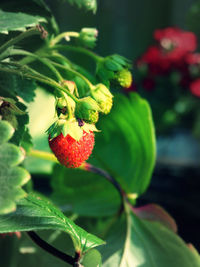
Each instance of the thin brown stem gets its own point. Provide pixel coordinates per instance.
(111, 179)
(50, 249)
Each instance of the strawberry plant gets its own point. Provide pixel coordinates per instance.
(65, 121)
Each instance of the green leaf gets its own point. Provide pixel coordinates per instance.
(12, 177)
(36, 213)
(92, 200)
(86, 4)
(153, 212)
(6, 131)
(11, 21)
(16, 85)
(126, 146)
(134, 242)
(92, 259)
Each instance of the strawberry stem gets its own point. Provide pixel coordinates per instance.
(88, 167)
(74, 72)
(42, 60)
(65, 35)
(78, 49)
(50, 249)
(32, 74)
(42, 155)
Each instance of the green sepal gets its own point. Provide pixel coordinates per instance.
(72, 128)
(107, 67)
(112, 65)
(87, 37)
(121, 60)
(88, 127)
(88, 103)
(65, 127)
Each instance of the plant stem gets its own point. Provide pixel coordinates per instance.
(78, 49)
(34, 57)
(74, 72)
(51, 67)
(38, 77)
(42, 155)
(18, 38)
(66, 35)
(50, 249)
(88, 167)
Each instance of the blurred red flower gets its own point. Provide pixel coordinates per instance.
(193, 58)
(175, 42)
(173, 45)
(195, 87)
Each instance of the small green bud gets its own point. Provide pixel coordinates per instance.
(124, 78)
(87, 37)
(103, 97)
(87, 109)
(69, 84)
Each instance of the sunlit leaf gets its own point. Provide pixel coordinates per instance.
(135, 242)
(36, 213)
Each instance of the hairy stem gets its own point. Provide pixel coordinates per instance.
(74, 72)
(35, 57)
(66, 35)
(78, 49)
(50, 249)
(38, 77)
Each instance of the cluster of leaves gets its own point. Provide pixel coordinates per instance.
(125, 149)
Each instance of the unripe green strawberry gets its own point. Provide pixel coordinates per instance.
(124, 78)
(87, 37)
(103, 97)
(87, 109)
(70, 152)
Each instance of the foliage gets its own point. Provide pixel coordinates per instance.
(100, 194)
(12, 177)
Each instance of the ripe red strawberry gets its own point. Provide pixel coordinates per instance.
(70, 152)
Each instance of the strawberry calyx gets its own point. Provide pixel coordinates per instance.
(70, 127)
